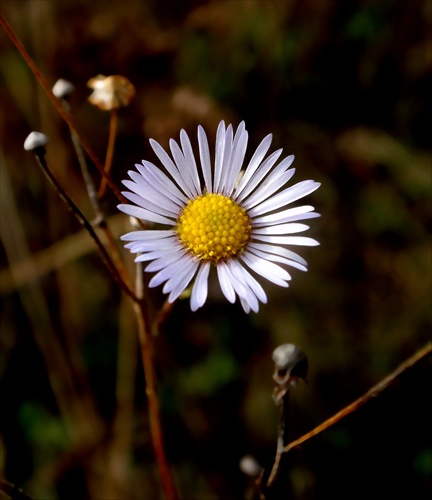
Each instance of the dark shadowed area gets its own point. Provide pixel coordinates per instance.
(345, 86)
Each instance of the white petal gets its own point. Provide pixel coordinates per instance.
(190, 159)
(288, 240)
(163, 261)
(162, 182)
(219, 155)
(241, 273)
(141, 213)
(238, 153)
(242, 290)
(225, 282)
(268, 188)
(277, 258)
(146, 185)
(254, 163)
(152, 245)
(183, 166)
(285, 197)
(268, 270)
(185, 274)
(289, 228)
(200, 287)
(170, 166)
(260, 174)
(289, 215)
(183, 283)
(169, 271)
(245, 305)
(226, 164)
(204, 153)
(146, 235)
(164, 207)
(277, 250)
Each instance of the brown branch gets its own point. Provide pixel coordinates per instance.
(40, 157)
(63, 113)
(355, 405)
(12, 491)
(110, 151)
(145, 337)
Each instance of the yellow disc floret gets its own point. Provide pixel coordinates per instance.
(213, 227)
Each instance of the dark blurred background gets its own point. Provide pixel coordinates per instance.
(345, 86)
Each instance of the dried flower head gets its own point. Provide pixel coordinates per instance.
(62, 88)
(110, 92)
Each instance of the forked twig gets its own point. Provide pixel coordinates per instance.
(40, 157)
(372, 392)
(63, 113)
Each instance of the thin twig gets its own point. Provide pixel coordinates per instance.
(40, 157)
(12, 491)
(150, 378)
(110, 151)
(355, 405)
(94, 199)
(63, 113)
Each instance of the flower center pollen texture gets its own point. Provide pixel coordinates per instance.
(213, 227)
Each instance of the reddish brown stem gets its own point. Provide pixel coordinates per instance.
(110, 151)
(150, 378)
(63, 113)
(372, 392)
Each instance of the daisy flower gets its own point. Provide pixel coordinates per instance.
(211, 218)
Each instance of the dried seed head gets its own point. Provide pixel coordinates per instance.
(35, 140)
(290, 364)
(110, 92)
(62, 88)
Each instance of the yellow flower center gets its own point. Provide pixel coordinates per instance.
(213, 227)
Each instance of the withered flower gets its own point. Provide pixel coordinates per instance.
(110, 92)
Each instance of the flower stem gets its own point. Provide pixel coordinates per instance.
(145, 338)
(63, 113)
(40, 157)
(110, 151)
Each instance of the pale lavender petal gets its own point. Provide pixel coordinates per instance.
(145, 235)
(289, 215)
(163, 261)
(277, 258)
(183, 167)
(200, 287)
(240, 272)
(288, 240)
(225, 282)
(169, 271)
(141, 213)
(170, 166)
(146, 185)
(154, 203)
(190, 159)
(268, 188)
(277, 250)
(178, 280)
(254, 163)
(238, 154)
(266, 269)
(226, 164)
(286, 196)
(289, 228)
(219, 155)
(205, 159)
(181, 286)
(161, 181)
(260, 174)
(239, 287)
